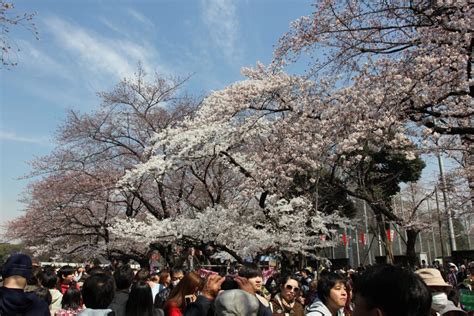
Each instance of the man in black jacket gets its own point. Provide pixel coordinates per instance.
(13, 298)
(123, 277)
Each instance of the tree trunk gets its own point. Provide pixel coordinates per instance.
(287, 263)
(385, 241)
(468, 161)
(412, 259)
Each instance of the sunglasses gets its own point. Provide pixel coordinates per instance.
(290, 287)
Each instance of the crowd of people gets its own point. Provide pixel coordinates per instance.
(383, 290)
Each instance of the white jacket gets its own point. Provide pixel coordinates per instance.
(56, 300)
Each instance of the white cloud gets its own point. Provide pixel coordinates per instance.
(42, 64)
(220, 18)
(99, 56)
(7, 136)
(141, 18)
(112, 26)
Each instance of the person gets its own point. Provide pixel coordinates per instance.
(191, 261)
(332, 296)
(154, 283)
(97, 293)
(452, 274)
(272, 283)
(187, 288)
(388, 290)
(66, 277)
(156, 262)
(467, 291)
(462, 274)
(254, 275)
(140, 301)
(438, 287)
(49, 281)
(165, 279)
(305, 280)
(123, 277)
(285, 302)
(34, 282)
(71, 303)
(177, 274)
(236, 302)
(203, 306)
(13, 298)
(312, 293)
(43, 293)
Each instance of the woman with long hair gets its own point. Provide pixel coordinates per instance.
(140, 301)
(71, 303)
(183, 294)
(165, 279)
(285, 302)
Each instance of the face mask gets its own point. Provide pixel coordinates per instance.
(440, 300)
(175, 283)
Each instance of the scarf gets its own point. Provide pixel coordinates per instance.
(287, 307)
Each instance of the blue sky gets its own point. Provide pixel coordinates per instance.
(87, 46)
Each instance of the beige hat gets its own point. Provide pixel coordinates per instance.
(432, 277)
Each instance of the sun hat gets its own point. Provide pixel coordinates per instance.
(432, 277)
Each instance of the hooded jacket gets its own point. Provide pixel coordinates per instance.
(17, 301)
(319, 309)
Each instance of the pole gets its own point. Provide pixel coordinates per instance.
(432, 230)
(403, 213)
(452, 239)
(421, 242)
(369, 252)
(429, 251)
(443, 253)
(468, 231)
(357, 245)
(346, 245)
(399, 240)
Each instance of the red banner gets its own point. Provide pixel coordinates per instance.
(362, 239)
(344, 239)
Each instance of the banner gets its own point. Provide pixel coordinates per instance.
(363, 239)
(344, 239)
(389, 235)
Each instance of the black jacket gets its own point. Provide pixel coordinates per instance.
(201, 307)
(18, 302)
(119, 302)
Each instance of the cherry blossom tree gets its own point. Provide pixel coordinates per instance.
(268, 129)
(75, 199)
(8, 20)
(420, 50)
